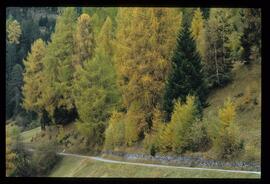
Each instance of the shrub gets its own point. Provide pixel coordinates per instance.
(86, 130)
(22, 121)
(152, 140)
(37, 163)
(199, 138)
(134, 121)
(60, 135)
(114, 134)
(23, 163)
(153, 150)
(45, 158)
(183, 118)
(228, 144)
(184, 132)
(252, 153)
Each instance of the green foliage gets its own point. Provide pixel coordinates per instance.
(186, 76)
(44, 159)
(223, 45)
(35, 164)
(184, 132)
(94, 90)
(152, 139)
(182, 119)
(30, 31)
(111, 69)
(228, 145)
(99, 16)
(24, 164)
(251, 18)
(84, 40)
(134, 121)
(58, 68)
(10, 154)
(115, 133)
(13, 99)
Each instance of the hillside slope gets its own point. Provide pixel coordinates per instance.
(245, 92)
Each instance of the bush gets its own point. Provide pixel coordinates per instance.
(23, 164)
(153, 150)
(114, 134)
(252, 153)
(199, 138)
(32, 124)
(45, 158)
(184, 132)
(183, 118)
(152, 140)
(38, 163)
(227, 144)
(22, 121)
(134, 124)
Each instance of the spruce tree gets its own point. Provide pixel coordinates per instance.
(186, 76)
(251, 38)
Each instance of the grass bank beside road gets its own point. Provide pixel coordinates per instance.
(71, 166)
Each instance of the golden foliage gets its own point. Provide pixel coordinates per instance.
(14, 31)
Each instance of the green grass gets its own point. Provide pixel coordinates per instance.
(80, 167)
(27, 135)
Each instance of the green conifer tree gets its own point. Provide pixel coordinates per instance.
(186, 76)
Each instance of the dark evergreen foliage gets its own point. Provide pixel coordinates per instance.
(186, 76)
(251, 33)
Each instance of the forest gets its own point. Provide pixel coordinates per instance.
(129, 79)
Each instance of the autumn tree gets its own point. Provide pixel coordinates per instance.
(13, 31)
(228, 144)
(143, 64)
(33, 77)
(198, 32)
(99, 16)
(84, 41)
(220, 31)
(115, 132)
(94, 89)
(186, 76)
(58, 64)
(152, 140)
